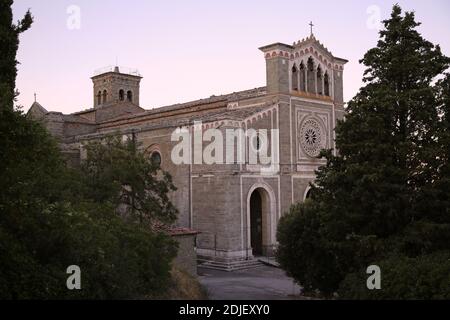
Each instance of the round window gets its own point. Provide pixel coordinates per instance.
(311, 137)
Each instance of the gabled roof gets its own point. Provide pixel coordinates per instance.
(37, 107)
(83, 111)
(224, 99)
(76, 119)
(209, 109)
(117, 110)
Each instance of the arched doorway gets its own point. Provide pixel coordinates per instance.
(261, 220)
(256, 234)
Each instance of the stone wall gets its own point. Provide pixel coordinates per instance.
(186, 258)
(116, 110)
(75, 128)
(55, 124)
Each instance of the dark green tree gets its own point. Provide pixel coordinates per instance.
(373, 198)
(120, 173)
(9, 43)
(443, 182)
(48, 223)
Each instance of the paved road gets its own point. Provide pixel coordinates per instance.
(261, 283)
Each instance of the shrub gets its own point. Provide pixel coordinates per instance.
(47, 225)
(117, 260)
(423, 277)
(304, 253)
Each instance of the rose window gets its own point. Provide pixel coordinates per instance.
(311, 137)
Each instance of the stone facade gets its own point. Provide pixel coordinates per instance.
(186, 258)
(235, 207)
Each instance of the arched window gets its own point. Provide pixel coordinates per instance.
(294, 78)
(326, 82)
(99, 98)
(319, 81)
(302, 77)
(121, 95)
(311, 76)
(105, 94)
(155, 158)
(308, 194)
(129, 96)
(256, 143)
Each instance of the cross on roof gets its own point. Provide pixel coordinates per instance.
(311, 25)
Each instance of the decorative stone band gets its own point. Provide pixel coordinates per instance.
(310, 95)
(302, 52)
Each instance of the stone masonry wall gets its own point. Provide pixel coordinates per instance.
(186, 258)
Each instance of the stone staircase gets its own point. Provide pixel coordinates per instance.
(230, 265)
(269, 261)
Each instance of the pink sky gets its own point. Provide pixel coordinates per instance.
(191, 49)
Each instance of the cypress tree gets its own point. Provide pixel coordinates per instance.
(387, 190)
(9, 43)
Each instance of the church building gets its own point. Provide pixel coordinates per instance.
(234, 206)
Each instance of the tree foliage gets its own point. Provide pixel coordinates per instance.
(9, 43)
(387, 190)
(49, 221)
(52, 217)
(119, 173)
(422, 277)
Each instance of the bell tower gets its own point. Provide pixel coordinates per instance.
(305, 68)
(114, 85)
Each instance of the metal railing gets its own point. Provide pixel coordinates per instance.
(124, 70)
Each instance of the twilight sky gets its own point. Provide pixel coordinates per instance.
(187, 50)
